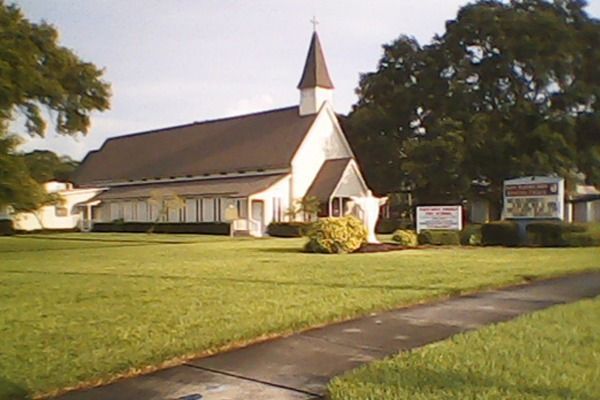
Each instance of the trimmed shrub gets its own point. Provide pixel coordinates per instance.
(6, 227)
(581, 239)
(500, 233)
(390, 225)
(439, 237)
(471, 235)
(551, 233)
(406, 237)
(211, 228)
(336, 235)
(288, 229)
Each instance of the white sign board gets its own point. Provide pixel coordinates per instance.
(536, 197)
(439, 217)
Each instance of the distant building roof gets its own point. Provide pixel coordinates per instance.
(260, 141)
(327, 179)
(315, 72)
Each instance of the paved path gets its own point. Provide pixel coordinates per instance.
(299, 366)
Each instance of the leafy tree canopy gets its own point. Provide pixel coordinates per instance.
(510, 89)
(36, 73)
(45, 165)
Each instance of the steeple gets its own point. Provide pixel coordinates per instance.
(315, 85)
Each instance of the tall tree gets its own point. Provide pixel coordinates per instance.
(37, 73)
(510, 89)
(45, 165)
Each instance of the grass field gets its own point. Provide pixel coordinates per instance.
(552, 354)
(82, 308)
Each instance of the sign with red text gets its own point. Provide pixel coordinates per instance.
(439, 217)
(536, 197)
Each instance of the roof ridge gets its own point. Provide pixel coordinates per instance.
(208, 121)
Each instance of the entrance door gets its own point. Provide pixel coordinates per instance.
(257, 215)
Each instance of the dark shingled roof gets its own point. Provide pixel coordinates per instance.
(261, 141)
(315, 70)
(327, 179)
(230, 187)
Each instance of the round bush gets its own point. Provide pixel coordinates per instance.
(336, 235)
(406, 237)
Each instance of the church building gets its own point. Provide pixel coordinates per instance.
(256, 164)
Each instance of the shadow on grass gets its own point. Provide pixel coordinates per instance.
(106, 240)
(12, 391)
(284, 250)
(73, 248)
(210, 282)
(454, 384)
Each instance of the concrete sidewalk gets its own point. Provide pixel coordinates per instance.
(301, 365)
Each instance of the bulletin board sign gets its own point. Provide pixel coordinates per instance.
(439, 217)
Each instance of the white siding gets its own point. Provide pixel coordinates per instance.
(350, 184)
(280, 190)
(322, 142)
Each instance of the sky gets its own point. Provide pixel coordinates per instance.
(179, 61)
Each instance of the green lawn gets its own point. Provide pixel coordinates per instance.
(86, 307)
(552, 354)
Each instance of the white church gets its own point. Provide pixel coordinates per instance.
(256, 164)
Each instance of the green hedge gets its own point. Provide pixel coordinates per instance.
(212, 228)
(6, 227)
(471, 235)
(390, 225)
(336, 235)
(500, 233)
(581, 239)
(550, 233)
(439, 237)
(559, 234)
(406, 237)
(288, 229)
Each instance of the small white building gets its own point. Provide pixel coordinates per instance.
(65, 214)
(583, 204)
(258, 163)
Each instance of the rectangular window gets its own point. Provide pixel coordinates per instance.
(190, 210)
(142, 211)
(173, 215)
(242, 206)
(217, 209)
(208, 210)
(225, 204)
(114, 211)
(199, 210)
(61, 211)
(277, 210)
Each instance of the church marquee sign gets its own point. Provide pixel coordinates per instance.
(534, 198)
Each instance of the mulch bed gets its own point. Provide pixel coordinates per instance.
(380, 248)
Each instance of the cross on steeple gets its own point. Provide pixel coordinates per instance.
(314, 23)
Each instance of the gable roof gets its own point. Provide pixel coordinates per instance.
(260, 141)
(327, 179)
(315, 72)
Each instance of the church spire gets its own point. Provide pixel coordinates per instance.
(315, 72)
(315, 85)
